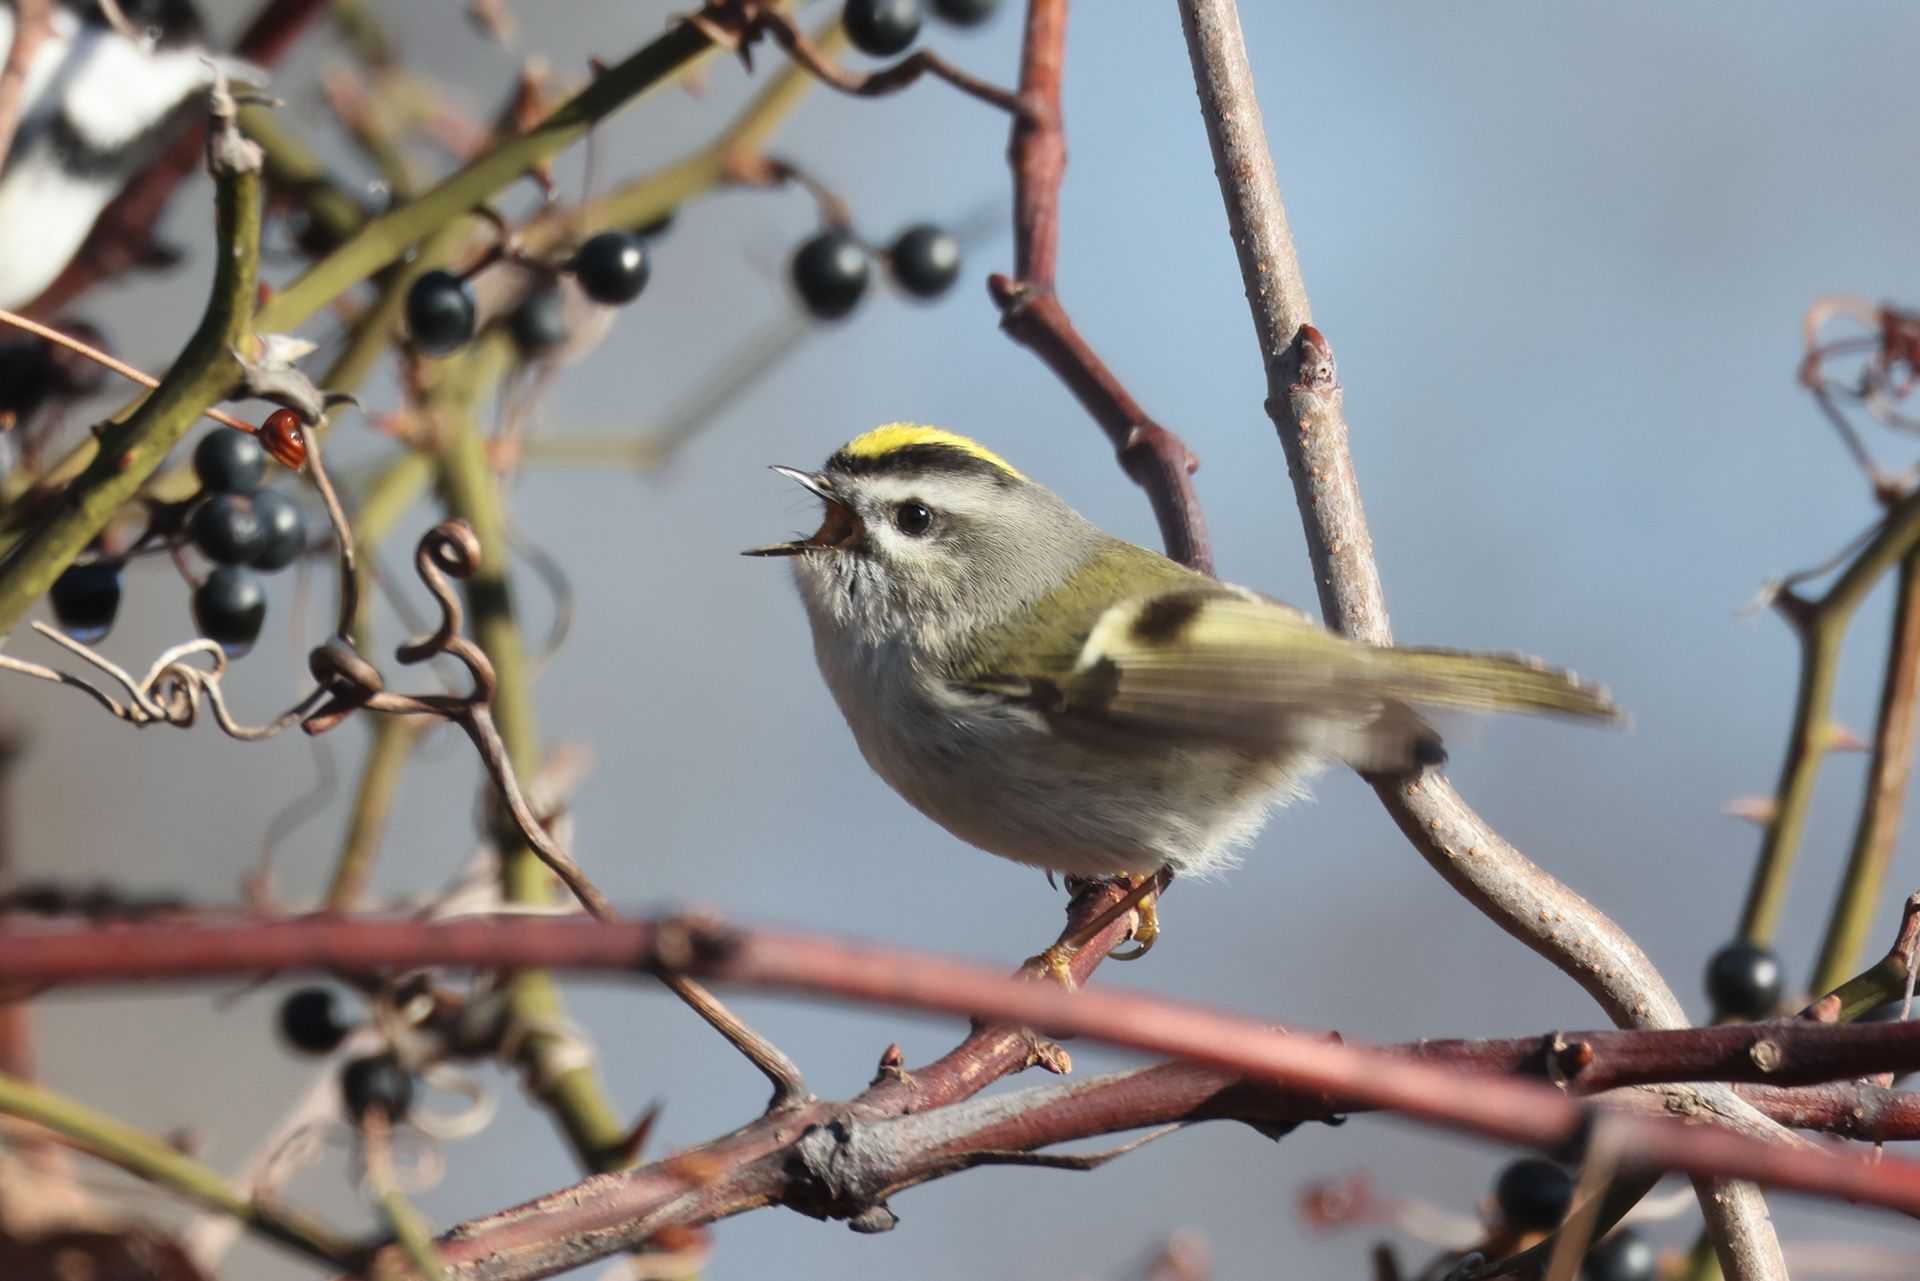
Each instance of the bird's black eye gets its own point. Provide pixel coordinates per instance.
(913, 519)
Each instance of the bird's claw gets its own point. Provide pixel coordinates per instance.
(1146, 930)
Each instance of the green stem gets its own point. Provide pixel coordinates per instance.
(389, 236)
(1808, 743)
(131, 451)
(642, 201)
(148, 1158)
(394, 738)
(553, 1069)
(1823, 626)
(1880, 984)
(1887, 776)
(413, 1233)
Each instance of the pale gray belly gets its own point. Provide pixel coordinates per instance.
(1002, 780)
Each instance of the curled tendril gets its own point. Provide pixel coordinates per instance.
(172, 690)
(169, 693)
(450, 550)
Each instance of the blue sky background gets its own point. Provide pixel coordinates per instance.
(1561, 253)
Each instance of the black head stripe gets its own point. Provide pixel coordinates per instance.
(1161, 620)
(918, 460)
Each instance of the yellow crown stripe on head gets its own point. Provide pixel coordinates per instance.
(894, 437)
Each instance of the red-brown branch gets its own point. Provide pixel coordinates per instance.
(122, 238)
(1497, 1108)
(1031, 312)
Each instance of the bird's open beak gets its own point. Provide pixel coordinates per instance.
(839, 528)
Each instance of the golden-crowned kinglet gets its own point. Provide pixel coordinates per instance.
(1071, 701)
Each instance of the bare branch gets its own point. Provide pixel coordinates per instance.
(1305, 402)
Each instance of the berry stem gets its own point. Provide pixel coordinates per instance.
(675, 55)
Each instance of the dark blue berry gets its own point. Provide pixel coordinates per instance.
(925, 260)
(539, 323)
(377, 1081)
(1533, 1194)
(830, 272)
(1624, 1256)
(1743, 981)
(310, 1021)
(881, 28)
(439, 312)
(612, 268)
(229, 461)
(226, 529)
(85, 599)
(283, 531)
(230, 607)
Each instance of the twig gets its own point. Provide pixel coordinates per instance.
(789, 1086)
(159, 1164)
(1888, 772)
(1820, 624)
(1304, 400)
(1032, 314)
(677, 53)
(886, 80)
(410, 1229)
(1885, 981)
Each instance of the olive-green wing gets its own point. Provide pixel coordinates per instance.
(1217, 664)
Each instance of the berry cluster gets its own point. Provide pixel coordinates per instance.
(883, 28)
(241, 527)
(830, 271)
(311, 1022)
(611, 268)
(235, 522)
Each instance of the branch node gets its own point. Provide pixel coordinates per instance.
(1314, 368)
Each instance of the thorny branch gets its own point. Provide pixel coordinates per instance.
(1032, 314)
(754, 1166)
(1305, 403)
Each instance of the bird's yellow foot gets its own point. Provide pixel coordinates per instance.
(1055, 963)
(1146, 929)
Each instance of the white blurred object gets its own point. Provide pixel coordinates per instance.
(95, 107)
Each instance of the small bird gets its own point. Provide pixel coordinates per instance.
(1065, 699)
(95, 107)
